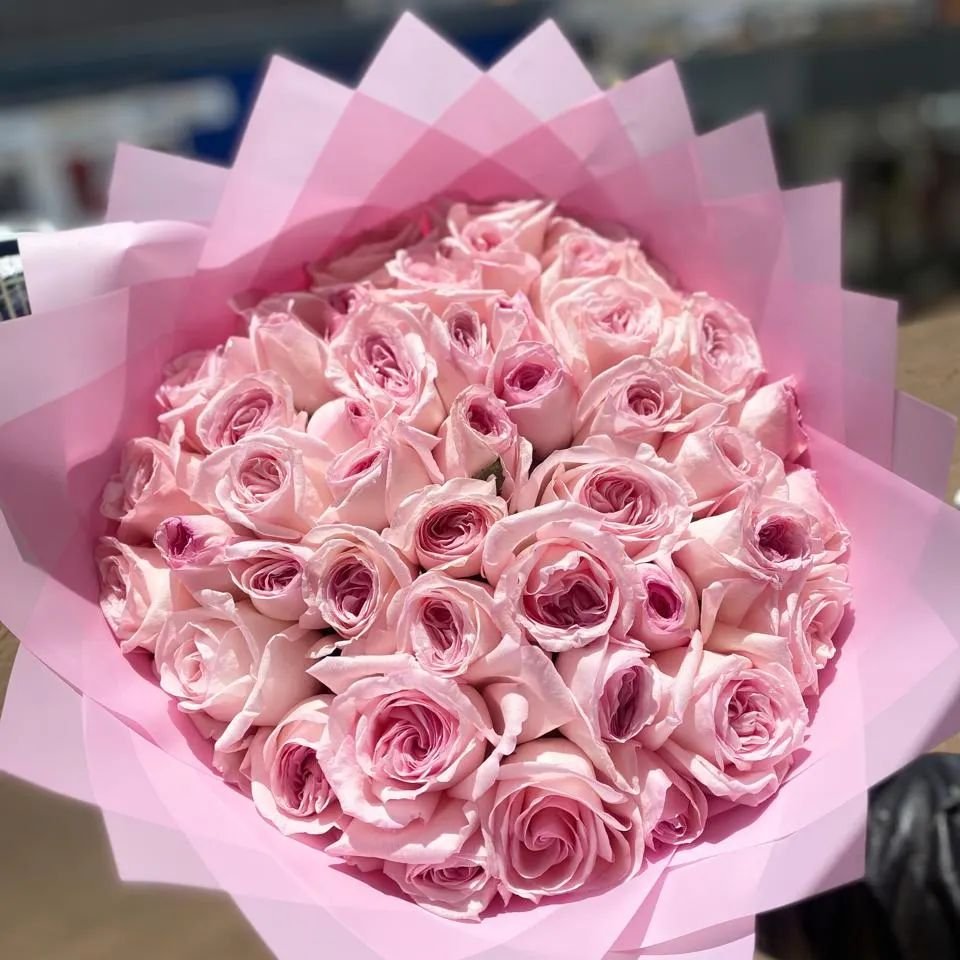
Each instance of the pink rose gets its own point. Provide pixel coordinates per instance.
(289, 348)
(370, 479)
(288, 787)
(136, 593)
(394, 743)
(460, 342)
(766, 540)
(724, 465)
(804, 490)
(234, 664)
(430, 274)
(724, 352)
(193, 547)
(740, 730)
(667, 611)
(444, 527)
(642, 400)
(271, 574)
(342, 423)
(252, 404)
(821, 606)
(555, 829)
(478, 439)
(448, 627)
(642, 501)
(598, 322)
(380, 354)
(149, 488)
(513, 319)
(271, 483)
(182, 378)
(771, 416)
(323, 313)
(350, 579)
(561, 581)
(458, 888)
(539, 392)
(230, 762)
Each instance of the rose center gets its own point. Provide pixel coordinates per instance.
(663, 600)
(484, 420)
(455, 529)
(626, 704)
(411, 737)
(274, 575)
(526, 377)
(782, 539)
(260, 478)
(645, 398)
(629, 499)
(569, 597)
(303, 789)
(350, 588)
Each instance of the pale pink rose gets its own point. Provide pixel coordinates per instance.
(458, 888)
(444, 527)
(724, 352)
(193, 547)
(460, 342)
(369, 481)
(724, 465)
(447, 625)
(766, 540)
(821, 606)
(182, 378)
(342, 423)
(512, 318)
(381, 355)
(561, 580)
(804, 490)
(539, 392)
(667, 611)
(643, 400)
(366, 257)
(643, 501)
(350, 579)
(433, 274)
(271, 483)
(740, 730)
(252, 404)
(136, 592)
(555, 829)
(672, 806)
(393, 744)
(771, 416)
(235, 665)
(288, 787)
(478, 439)
(230, 762)
(271, 574)
(150, 486)
(598, 322)
(323, 313)
(288, 347)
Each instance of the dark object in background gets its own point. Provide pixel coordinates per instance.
(13, 290)
(908, 907)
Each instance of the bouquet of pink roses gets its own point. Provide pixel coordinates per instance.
(487, 560)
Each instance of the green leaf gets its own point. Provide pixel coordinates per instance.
(495, 470)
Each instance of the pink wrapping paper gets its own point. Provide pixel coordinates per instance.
(320, 162)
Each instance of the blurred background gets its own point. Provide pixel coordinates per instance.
(867, 91)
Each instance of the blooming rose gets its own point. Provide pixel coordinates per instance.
(322, 313)
(149, 488)
(195, 376)
(740, 729)
(430, 273)
(643, 400)
(804, 490)
(724, 352)
(556, 829)
(230, 762)
(667, 611)
(771, 416)
(252, 404)
(765, 539)
(444, 527)
(380, 354)
(370, 479)
(288, 787)
(478, 439)
(599, 322)
(342, 423)
(350, 579)
(642, 500)
(460, 341)
(289, 348)
(724, 465)
(448, 626)
(394, 743)
(182, 378)
(271, 574)
(234, 664)
(539, 392)
(136, 592)
(193, 546)
(561, 580)
(821, 605)
(271, 483)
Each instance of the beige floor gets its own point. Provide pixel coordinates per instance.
(59, 895)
